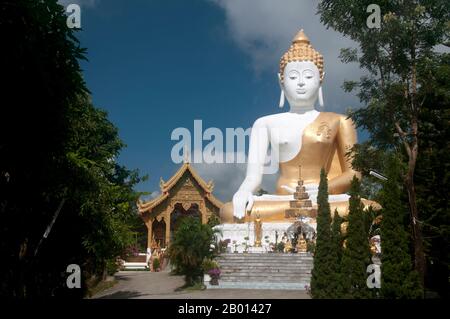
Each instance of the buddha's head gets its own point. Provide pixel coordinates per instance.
(301, 73)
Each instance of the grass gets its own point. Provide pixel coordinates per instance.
(101, 286)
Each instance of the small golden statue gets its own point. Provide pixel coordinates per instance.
(258, 231)
(301, 244)
(288, 246)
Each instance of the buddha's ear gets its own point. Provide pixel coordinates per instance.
(321, 93)
(279, 81)
(282, 91)
(320, 96)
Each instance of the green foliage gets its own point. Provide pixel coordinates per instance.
(432, 177)
(209, 264)
(311, 247)
(398, 280)
(279, 247)
(190, 246)
(336, 289)
(405, 91)
(321, 275)
(356, 255)
(156, 264)
(58, 152)
(214, 220)
(111, 267)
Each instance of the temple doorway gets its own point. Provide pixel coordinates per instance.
(159, 232)
(179, 213)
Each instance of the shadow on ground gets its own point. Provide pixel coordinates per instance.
(123, 295)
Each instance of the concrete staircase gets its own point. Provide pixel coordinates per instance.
(264, 271)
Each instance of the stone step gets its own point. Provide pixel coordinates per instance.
(264, 275)
(268, 254)
(265, 269)
(266, 258)
(250, 280)
(259, 256)
(260, 285)
(269, 261)
(261, 279)
(310, 261)
(262, 264)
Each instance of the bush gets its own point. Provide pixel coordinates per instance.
(190, 246)
(214, 220)
(111, 267)
(311, 247)
(279, 247)
(156, 264)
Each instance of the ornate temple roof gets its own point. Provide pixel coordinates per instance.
(165, 188)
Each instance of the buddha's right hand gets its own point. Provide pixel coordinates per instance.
(242, 202)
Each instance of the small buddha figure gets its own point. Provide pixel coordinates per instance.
(301, 244)
(304, 137)
(258, 231)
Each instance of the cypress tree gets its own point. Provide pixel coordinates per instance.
(321, 275)
(336, 255)
(356, 255)
(398, 279)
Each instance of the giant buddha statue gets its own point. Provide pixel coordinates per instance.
(305, 138)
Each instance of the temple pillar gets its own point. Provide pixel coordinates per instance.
(149, 225)
(167, 220)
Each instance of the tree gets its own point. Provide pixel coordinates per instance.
(336, 256)
(321, 274)
(398, 279)
(393, 56)
(190, 246)
(432, 176)
(356, 255)
(58, 173)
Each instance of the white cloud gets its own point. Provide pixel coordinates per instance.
(263, 29)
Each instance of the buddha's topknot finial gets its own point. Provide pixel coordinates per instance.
(301, 50)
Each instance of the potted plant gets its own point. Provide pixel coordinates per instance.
(246, 245)
(267, 241)
(215, 275)
(223, 245)
(235, 246)
(207, 265)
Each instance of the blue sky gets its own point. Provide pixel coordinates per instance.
(158, 65)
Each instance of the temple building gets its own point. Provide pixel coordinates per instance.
(184, 194)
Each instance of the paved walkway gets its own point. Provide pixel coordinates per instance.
(161, 285)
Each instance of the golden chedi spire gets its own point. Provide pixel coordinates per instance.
(301, 50)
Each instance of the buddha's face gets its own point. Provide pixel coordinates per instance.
(301, 83)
